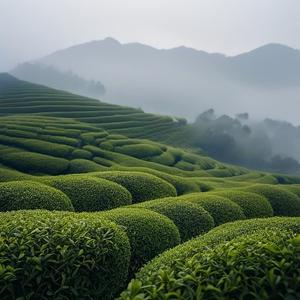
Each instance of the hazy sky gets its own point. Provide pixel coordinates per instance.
(33, 28)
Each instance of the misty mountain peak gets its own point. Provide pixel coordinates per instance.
(271, 50)
(110, 40)
(275, 47)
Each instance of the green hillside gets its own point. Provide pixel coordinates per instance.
(87, 202)
(18, 96)
(216, 138)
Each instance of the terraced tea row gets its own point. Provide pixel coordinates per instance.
(57, 145)
(47, 145)
(19, 97)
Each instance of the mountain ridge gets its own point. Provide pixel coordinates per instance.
(159, 80)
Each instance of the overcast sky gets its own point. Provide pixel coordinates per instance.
(33, 28)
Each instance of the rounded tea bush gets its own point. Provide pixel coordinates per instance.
(253, 205)
(284, 203)
(31, 162)
(91, 194)
(142, 186)
(183, 185)
(216, 236)
(149, 233)
(51, 255)
(221, 209)
(292, 188)
(80, 165)
(264, 264)
(16, 195)
(191, 220)
(12, 175)
(140, 150)
(81, 153)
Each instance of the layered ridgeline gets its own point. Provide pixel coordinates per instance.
(185, 81)
(84, 185)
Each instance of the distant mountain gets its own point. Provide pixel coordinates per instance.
(270, 65)
(63, 80)
(182, 81)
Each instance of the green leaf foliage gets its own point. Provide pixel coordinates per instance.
(31, 162)
(149, 233)
(253, 205)
(80, 165)
(12, 175)
(284, 203)
(191, 220)
(182, 185)
(80, 153)
(262, 264)
(16, 195)
(142, 186)
(51, 256)
(221, 209)
(139, 150)
(90, 194)
(295, 188)
(241, 260)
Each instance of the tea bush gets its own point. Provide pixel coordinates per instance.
(284, 203)
(182, 185)
(80, 165)
(16, 195)
(43, 147)
(191, 220)
(47, 255)
(90, 194)
(183, 165)
(149, 233)
(238, 269)
(253, 205)
(35, 163)
(221, 209)
(165, 158)
(292, 188)
(20, 133)
(142, 186)
(139, 150)
(229, 262)
(12, 175)
(80, 153)
(60, 140)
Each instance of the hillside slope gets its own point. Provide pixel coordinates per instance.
(218, 138)
(23, 97)
(84, 134)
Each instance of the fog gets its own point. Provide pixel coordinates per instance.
(237, 56)
(263, 145)
(264, 82)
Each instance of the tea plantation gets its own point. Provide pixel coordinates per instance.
(93, 205)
